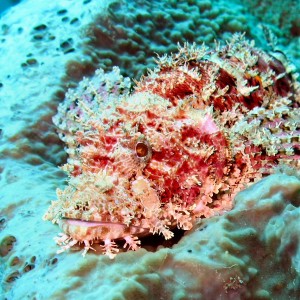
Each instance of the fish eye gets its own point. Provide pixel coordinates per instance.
(141, 149)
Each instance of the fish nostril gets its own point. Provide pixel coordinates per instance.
(82, 207)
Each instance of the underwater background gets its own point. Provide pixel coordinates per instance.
(47, 47)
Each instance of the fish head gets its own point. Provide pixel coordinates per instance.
(149, 164)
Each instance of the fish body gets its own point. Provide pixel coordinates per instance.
(195, 131)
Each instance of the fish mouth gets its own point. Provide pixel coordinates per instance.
(83, 229)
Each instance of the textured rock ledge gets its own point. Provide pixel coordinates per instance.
(252, 252)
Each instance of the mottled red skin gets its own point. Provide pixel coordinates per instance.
(171, 155)
(191, 120)
(191, 86)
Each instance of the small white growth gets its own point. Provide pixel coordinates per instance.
(110, 248)
(65, 241)
(132, 242)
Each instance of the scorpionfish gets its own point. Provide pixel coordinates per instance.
(191, 134)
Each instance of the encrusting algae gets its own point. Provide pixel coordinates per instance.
(195, 131)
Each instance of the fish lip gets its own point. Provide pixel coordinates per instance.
(86, 223)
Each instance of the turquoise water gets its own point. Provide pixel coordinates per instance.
(5, 5)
